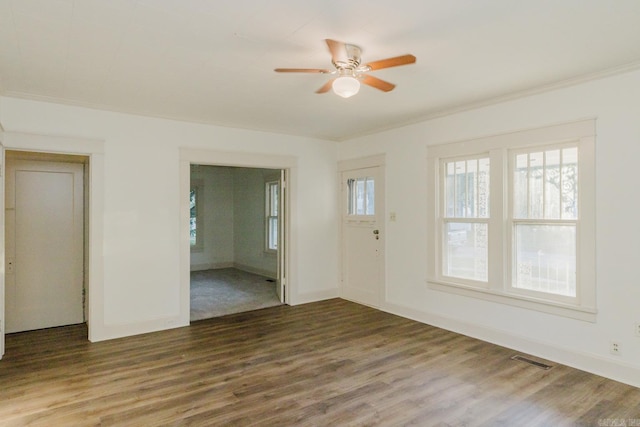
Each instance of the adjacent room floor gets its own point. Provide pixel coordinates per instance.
(225, 291)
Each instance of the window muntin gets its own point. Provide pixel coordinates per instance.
(545, 220)
(361, 196)
(465, 223)
(271, 208)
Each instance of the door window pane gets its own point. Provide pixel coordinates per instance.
(361, 196)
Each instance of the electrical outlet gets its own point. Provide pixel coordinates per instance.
(615, 348)
(637, 329)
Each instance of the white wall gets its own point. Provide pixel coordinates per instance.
(217, 217)
(615, 102)
(141, 208)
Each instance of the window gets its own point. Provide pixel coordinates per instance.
(361, 196)
(513, 219)
(466, 218)
(272, 215)
(544, 220)
(196, 225)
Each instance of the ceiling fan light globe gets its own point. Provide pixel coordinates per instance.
(346, 86)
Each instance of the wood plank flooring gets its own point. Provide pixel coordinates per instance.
(330, 363)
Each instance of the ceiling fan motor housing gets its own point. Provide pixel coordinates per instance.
(352, 59)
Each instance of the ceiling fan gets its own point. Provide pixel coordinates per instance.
(349, 70)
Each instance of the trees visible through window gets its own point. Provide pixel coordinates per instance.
(196, 225)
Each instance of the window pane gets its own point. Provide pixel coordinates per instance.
(483, 188)
(370, 196)
(545, 258)
(192, 216)
(461, 190)
(273, 198)
(536, 175)
(273, 233)
(545, 185)
(361, 196)
(465, 249)
(520, 187)
(570, 183)
(552, 184)
(466, 189)
(450, 183)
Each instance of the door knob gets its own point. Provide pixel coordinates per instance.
(376, 232)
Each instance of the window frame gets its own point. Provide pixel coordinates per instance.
(269, 217)
(501, 148)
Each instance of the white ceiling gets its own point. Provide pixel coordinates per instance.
(212, 61)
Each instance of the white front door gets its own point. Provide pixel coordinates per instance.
(363, 235)
(44, 244)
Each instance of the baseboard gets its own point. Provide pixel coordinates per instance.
(593, 363)
(211, 266)
(113, 331)
(259, 271)
(314, 296)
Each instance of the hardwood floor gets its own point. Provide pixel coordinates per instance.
(322, 364)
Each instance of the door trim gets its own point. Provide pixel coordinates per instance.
(246, 160)
(376, 160)
(94, 149)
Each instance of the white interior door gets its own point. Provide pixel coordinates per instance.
(363, 235)
(44, 244)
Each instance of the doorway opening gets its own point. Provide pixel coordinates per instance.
(46, 245)
(236, 238)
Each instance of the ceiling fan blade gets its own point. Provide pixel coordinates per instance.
(301, 70)
(391, 62)
(377, 83)
(338, 50)
(326, 88)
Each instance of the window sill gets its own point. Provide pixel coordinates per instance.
(559, 309)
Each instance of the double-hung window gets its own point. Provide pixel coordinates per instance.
(544, 221)
(271, 210)
(514, 221)
(465, 219)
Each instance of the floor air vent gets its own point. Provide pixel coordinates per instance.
(531, 362)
